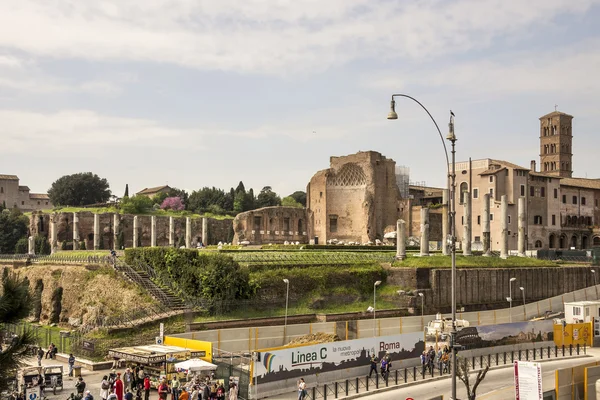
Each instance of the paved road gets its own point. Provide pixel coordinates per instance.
(497, 385)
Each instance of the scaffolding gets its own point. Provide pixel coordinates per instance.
(403, 180)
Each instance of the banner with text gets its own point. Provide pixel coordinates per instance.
(307, 360)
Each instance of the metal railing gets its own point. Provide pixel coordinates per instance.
(311, 258)
(353, 386)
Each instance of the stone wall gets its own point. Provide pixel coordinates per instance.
(40, 224)
(435, 223)
(478, 288)
(271, 225)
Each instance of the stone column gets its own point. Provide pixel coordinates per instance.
(53, 233)
(521, 211)
(96, 231)
(76, 238)
(31, 246)
(400, 240)
(424, 232)
(485, 217)
(153, 231)
(135, 231)
(445, 223)
(504, 222)
(171, 232)
(205, 231)
(116, 231)
(467, 225)
(188, 233)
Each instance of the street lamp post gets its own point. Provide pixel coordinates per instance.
(524, 311)
(451, 137)
(510, 298)
(422, 296)
(593, 271)
(374, 304)
(287, 296)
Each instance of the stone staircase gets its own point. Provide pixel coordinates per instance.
(143, 279)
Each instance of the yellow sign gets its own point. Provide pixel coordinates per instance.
(198, 348)
(573, 334)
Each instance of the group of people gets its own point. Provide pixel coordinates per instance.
(135, 384)
(430, 358)
(386, 365)
(50, 353)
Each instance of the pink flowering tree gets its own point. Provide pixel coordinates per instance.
(173, 203)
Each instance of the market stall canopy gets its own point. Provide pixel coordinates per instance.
(195, 364)
(152, 354)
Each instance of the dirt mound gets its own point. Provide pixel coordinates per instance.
(318, 337)
(88, 293)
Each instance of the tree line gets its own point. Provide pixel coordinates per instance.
(85, 189)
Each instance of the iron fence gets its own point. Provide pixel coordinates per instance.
(348, 387)
(311, 258)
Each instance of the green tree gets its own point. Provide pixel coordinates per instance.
(289, 201)
(22, 246)
(182, 194)
(42, 246)
(240, 188)
(250, 200)
(201, 200)
(223, 281)
(136, 204)
(300, 197)
(159, 198)
(13, 226)
(267, 197)
(79, 189)
(239, 202)
(15, 305)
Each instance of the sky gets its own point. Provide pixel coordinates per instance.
(195, 93)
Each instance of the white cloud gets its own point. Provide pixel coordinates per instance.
(266, 36)
(84, 131)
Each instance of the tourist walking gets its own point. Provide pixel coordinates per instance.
(88, 395)
(301, 389)
(119, 387)
(184, 394)
(128, 394)
(112, 395)
(206, 392)
(175, 385)
(104, 387)
(128, 379)
(71, 364)
(163, 390)
(40, 355)
(80, 386)
(146, 388)
(373, 364)
(233, 390)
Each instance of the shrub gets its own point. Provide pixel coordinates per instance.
(56, 305)
(136, 205)
(22, 246)
(82, 245)
(64, 245)
(173, 203)
(42, 246)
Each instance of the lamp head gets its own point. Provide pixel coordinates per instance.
(521, 287)
(392, 114)
(377, 283)
(370, 309)
(421, 294)
(286, 280)
(513, 279)
(593, 271)
(451, 135)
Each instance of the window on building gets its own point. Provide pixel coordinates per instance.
(556, 193)
(509, 219)
(543, 191)
(596, 202)
(492, 193)
(46, 203)
(531, 191)
(522, 190)
(589, 221)
(564, 199)
(491, 178)
(462, 220)
(286, 224)
(333, 220)
(553, 219)
(22, 203)
(320, 194)
(479, 220)
(574, 199)
(475, 193)
(464, 188)
(583, 201)
(491, 217)
(38, 203)
(576, 310)
(477, 238)
(537, 220)
(1, 189)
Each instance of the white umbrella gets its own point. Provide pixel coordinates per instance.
(195, 364)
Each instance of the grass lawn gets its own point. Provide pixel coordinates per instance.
(440, 261)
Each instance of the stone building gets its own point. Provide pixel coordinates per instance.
(355, 200)
(13, 195)
(153, 191)
(275, 225)
(561, 212)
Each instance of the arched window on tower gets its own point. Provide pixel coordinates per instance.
(464, 187)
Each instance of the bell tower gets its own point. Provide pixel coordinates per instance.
(556, 139)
